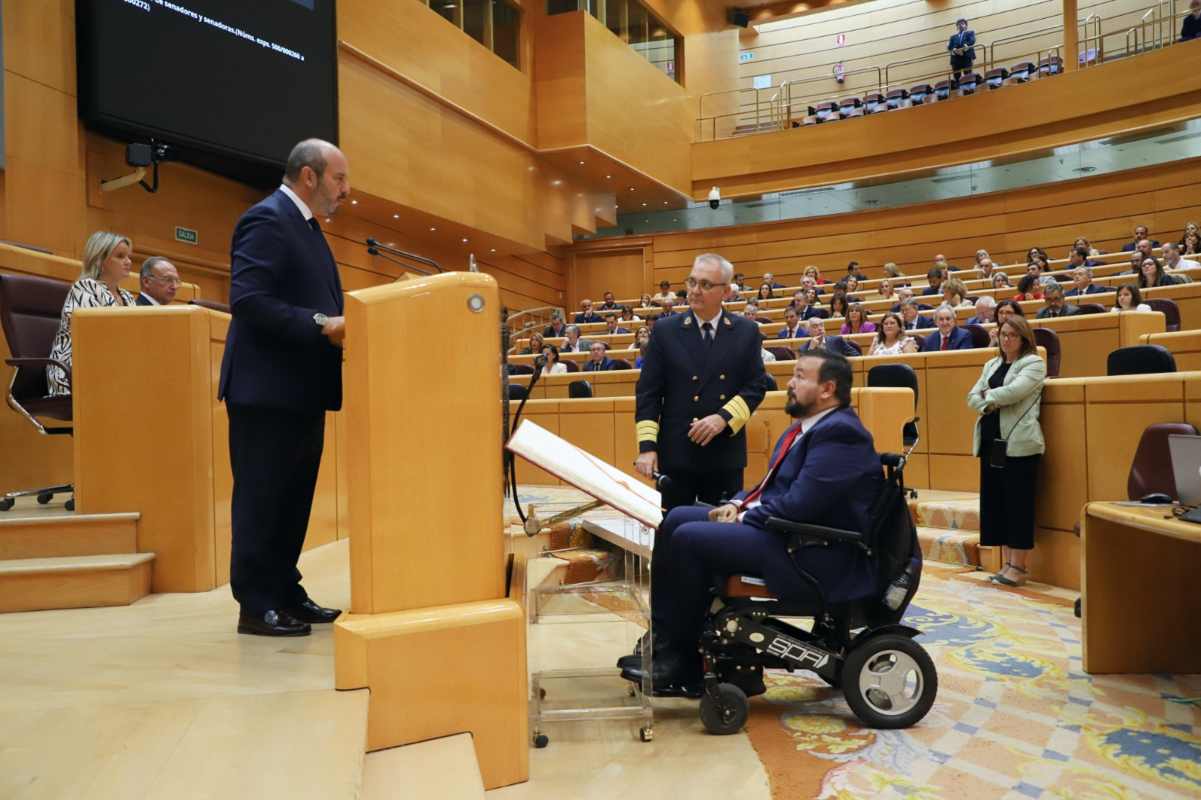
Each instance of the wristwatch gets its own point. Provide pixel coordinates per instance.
(320, 319)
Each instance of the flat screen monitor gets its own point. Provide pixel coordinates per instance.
(229, 85)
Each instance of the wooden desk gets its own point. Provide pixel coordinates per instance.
(1140, 593)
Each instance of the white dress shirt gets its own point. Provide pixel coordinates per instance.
(302, 206)
(806, 423)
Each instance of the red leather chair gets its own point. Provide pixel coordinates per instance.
(30, 310)
(1151, 469)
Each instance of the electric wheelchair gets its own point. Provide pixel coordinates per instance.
(887, 678)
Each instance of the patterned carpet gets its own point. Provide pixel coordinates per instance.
(1016, 716)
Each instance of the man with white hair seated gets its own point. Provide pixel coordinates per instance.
(986, 310)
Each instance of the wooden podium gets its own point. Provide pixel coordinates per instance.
(432, 632)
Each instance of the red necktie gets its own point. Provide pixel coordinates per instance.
(785, 446)
(944, 344)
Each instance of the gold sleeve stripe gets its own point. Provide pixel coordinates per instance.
(648, 430)
(740, 413)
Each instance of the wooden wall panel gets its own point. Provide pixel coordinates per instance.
(1103, 208)
(621, 272)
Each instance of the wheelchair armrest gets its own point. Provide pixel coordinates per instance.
(808, 532)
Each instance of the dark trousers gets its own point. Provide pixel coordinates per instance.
(275, 456)
(960, 66)
(702, 551)
(686, 488)
(1007, 502)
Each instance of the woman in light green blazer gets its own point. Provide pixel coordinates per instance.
(1007, 397)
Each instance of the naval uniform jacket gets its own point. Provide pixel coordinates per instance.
(683, 380)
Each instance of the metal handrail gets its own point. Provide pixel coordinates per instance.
(1095, 21)
(992, 63)
(920, 59)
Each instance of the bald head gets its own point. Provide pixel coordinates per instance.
(318, 173)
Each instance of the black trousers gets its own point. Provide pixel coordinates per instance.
(684, 489)
(1007, 502)
(960, 66)
(275, 455)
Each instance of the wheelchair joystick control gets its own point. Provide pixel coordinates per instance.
(895, 594)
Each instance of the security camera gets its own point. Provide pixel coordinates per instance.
(714, 198)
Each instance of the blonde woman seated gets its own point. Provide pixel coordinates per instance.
(890, 339)
(891, 270)
(107, 258)
(534, 347)
(954, 294)
(886, 291)
(553, 365)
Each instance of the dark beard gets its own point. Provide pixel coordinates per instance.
(795, 409)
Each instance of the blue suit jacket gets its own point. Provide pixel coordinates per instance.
(835, 344)
(830, 477)
(965, 39)
(282, 273)
(592, 366)
(960, 340)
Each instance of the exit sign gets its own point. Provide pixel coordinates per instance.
(186, 235)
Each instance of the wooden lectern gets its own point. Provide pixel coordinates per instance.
(432, 632)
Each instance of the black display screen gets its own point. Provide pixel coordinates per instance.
(230, 84)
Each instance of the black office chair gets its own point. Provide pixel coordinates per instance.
(1140, 359)
(30, 310)
(1049, 341)
(572, 366)
(620, 363)
(518, 392)
(895, 98)
(978, 333)
(579, 390)
(1091, 308)
(782, 353)
(995, 78)
(521, 369)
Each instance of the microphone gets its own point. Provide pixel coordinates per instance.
(662, 481)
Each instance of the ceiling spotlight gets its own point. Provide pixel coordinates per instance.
(492, 250)
(327, 220)
(664, 202)
(464, 240)
(631, 188)
(354, 202)
(396, 216)
(581, 163)
(608, 177)
(432, 229)
(556, 182)
(644, 205)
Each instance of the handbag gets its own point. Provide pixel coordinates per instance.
(998, 450)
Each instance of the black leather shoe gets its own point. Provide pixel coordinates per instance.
(308, 611)
(671, 675)
(634, 659)
(272, 623)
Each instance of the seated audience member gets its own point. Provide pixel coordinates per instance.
(891, 270)
(813, 305)
(1077, 257)
(771, 281)
(598, 358)
(106, 261)
(798, 298)
(808, 282)
(1140, 233)
(766, 292)
(819, 340)
(645, 300)
(609, 303)
(665, 293)
(1005, 310)
(986, 311)
(954, 294)
(891, 339)
(738, 282)
(1029, 288)
(1136, 264)
(852, 284)
(1174, 262)
(1189, 229)
(1000, 280)
(857, 321)
(667, 307)
(981, 255)
(1130, 298)
(535, 346)
(573, 343)
(1035, 254)
(1082, 283)
(627, 315)
(948, 336)
(885, 290)
(553, 365)
(1056, 306)
(792, 325)
(912, 319)
(839, 304)
(903, 293)
(1191, 246)
(159, 282)
(586, 314)
(935, 277)
(611, 326)
(812, 271)
(768, 356)
(853, 271)
(1190, 27)
(986, 267)
(941, 261)
(557, 327)
(642, 339)
(1146, 248)
(827, 476)
(1151, 274)
(1006, 397)
(751, 311)
(1039, 268)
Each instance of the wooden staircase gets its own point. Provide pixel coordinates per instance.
(53, 559)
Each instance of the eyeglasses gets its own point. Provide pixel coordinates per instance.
(705, 285)
(168, 281)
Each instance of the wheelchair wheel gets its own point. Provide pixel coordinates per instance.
(6, 503)
(889, 681)
(45, 497)
(724, 711)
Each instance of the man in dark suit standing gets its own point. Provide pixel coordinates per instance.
(281, 372)
(948, 336)
(702, 377)
(159, 282)
(824, 471)
(961, 46)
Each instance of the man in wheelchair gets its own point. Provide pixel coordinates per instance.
(808, 530)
